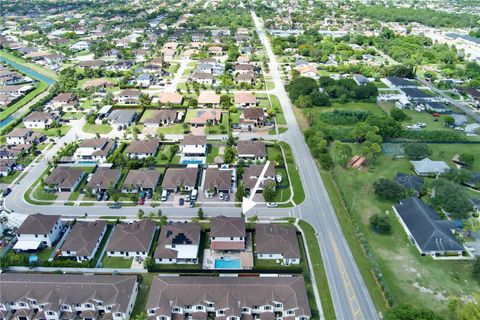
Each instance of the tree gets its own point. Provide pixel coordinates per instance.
(149, 264)
(200, 213)
(229, 154)
(320, 99)
(380, 224)
(409, 312)
(468, 159)
(326, 161)
(416, 150)
(370, 150)
(301, 86)
(343, 151)
(140, 213)
(399, 115)
(240, 192)
(361, 129)
(209, 124)
(449, 121)
(269, 192)
(225, 101)
(387, 189)
(452, 198)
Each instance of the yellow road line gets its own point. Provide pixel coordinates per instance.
(352, 297)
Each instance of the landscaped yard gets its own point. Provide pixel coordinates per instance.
(212, 153)
(97, 128)
(55, 132)
(116, 262)
(176, 128)
(72, 116)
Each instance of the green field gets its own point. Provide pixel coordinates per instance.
(97, 128)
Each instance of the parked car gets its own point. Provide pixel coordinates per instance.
(149, 194)
(115, 206)
(192, 204)
(226, 197)
(220, 195)
(106, 196)
(143, 195)
(181, 201)
(99, 196)
(141, 202)
(272, 204)
(6, 192)
(187, 198)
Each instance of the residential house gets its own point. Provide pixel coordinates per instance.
(203, 116)
(202, 78)
(193, 148)
(131, 239)
(95, 150)
(245, 99)
(248, 150)
(159, 118)
(227, 233)
(67, 296)
(252, 174)
(276, 242)
(247, 78)
(144, 80)
(19, 136)
(128, 97)
(308, 71)
(6, 166)
(430, 234)
(122, 117)
(178, 243)
(208, 99)
(428, 167)
(360, 79)
(141, 149)
(242, 68)
(174, 98)
(38, 230)
(91, 64)
(417, 95)
(409, 182)
(180, 179)
(279, 298)
(396, 82)
(84, 239)
(80, 46)
(64, 100)
(103, 179)
(252, 118)
(141, 180)
(39, 120)
(64, 179)
(217, 181)
(215, 50)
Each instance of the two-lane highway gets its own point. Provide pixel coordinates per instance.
(350, 296)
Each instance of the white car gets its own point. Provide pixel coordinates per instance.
(220, 195)
(272, 205)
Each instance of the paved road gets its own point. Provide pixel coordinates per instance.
(469, 111)
(349, 293)
(350, 296)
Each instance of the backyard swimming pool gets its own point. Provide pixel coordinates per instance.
(227, 263)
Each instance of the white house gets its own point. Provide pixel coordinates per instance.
(84, 240)
(38, 231)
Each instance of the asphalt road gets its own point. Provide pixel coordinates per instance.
(349, 293)
(350, 296)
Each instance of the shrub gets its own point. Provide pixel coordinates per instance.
(380, 224)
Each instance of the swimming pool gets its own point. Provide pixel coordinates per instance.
(186, 161)
(227, 263)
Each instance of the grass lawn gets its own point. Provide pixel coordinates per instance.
(40, 194)
(72, 116)
(41, 87)
(97, 128)
(410, 278)
(35, 67)
(142, 295)
(217, 128)
(176, 128)
(298, 192)
(54, 132)
(318, 270)
(116, 262)
(9, 179)
(280, 117)
(282, 194)
(212, 153)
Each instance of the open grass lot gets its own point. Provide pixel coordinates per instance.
(72, 116)
(116, 262)
(353, 106)
(410, 278)
(41, 87)
(35, 67)
(97, 128)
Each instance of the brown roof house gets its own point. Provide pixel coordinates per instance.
(103, 179)
(247, 78)
(84, 239)
(38, 230)
(141, 180)
(252, 173)
(95, 150)
(245, 99)
(202, 77)
(170, 98)
(159, 118)
(217, 181)
(203, 116)
(131, 239)
(180, 179)
(141, 149)
(252, 118)
(227, 233)
(64, 179)
(276, 242)
(208, 99)
(248, 150)
(228, 298)
(68, 296)
(178, 243)
(64, 100)
(39, 120)
(24, 136)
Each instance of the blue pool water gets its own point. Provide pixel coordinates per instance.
(227, 263)
(192, 162)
